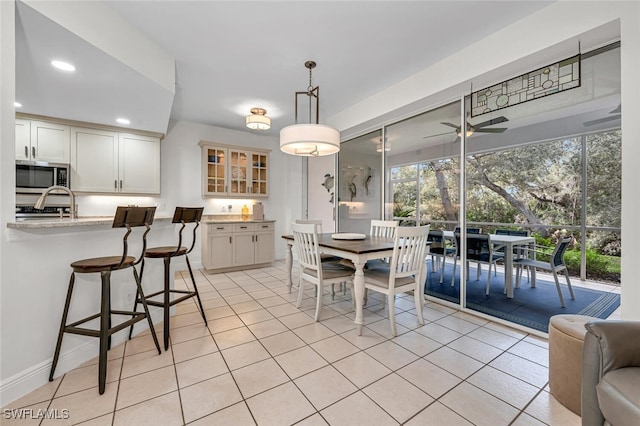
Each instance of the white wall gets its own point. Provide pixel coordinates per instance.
(181, 175)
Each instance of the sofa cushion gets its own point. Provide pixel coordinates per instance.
(619, 396)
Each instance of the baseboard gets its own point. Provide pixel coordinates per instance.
(33, 377)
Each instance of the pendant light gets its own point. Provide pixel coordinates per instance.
(309, 139)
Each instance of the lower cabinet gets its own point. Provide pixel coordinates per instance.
(237, 245)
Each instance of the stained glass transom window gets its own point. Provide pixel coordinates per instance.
(545, 81)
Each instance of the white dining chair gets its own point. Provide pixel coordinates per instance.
(404, 272)
(311, 268)
(383, 228)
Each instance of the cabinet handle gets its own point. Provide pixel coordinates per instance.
(115, 184)
(26, 151)
(229, 239)
(120, 183)
(256, 238)
(221, 227)
(243, 227)
(33, 151)
(265, 226)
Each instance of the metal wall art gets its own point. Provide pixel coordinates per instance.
(554, 78)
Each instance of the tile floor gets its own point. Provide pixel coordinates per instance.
(263, 361)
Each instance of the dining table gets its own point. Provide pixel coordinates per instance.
(509, 242)
(358, 251)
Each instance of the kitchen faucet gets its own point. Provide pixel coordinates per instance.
(72, 197)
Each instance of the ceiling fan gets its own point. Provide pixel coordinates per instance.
(480, 127)
(616, 115)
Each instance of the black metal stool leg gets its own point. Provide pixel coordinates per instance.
(105, 319)
(135, 303)
(146, 309)
(166, 307)
(195, 289)
(63, 324)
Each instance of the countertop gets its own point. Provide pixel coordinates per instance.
(102, 220)
(66, 223)
(237, 221)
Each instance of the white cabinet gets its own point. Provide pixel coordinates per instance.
(139, 164)
(217, 246)
(264, 244)
(229, 171)
(237, 245)
(42, 141)
(110, 162)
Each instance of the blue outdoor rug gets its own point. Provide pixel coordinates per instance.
(531, 307)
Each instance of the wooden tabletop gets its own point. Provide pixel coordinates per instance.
(368, 245)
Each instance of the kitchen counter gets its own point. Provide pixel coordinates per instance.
(50, 222)
(69, 223)
(236, 221)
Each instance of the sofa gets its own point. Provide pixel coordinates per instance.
(611, 373)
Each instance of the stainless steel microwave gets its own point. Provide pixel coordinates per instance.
(36, 176)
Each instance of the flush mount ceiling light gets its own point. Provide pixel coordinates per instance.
(312, 139)
(387, 147)
(17, 105)
(123, 121)
(64, 66)
(258, 119)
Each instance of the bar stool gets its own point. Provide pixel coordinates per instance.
(181, 215)
(125, 217)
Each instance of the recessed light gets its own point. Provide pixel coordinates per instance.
(64, 66)
(123, 121)
(17, 104)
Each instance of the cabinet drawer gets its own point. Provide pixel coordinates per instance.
(264, 226)
(243, 227)
(219, 228)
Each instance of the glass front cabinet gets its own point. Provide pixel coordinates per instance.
(231, 171)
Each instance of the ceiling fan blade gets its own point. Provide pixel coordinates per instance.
(495, 130)
(439, 134)
(618, 110)
(491, 122)
(601, 120)
(455, 126)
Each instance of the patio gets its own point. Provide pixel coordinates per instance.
(530, 307)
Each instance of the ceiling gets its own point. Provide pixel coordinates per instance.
(233, 56)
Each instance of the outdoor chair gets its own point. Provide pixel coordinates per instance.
(469, 230)
(439, 250)
(480, 250)
(554, 265)
(311, 268)
(404, 271)
(517, 251)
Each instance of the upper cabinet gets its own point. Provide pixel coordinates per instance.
(42, 141)
(104, 161)
(231, 171)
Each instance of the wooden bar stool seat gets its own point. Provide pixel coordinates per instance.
(126, 217)
(169, 251)
(183, 215)
(99, 264)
